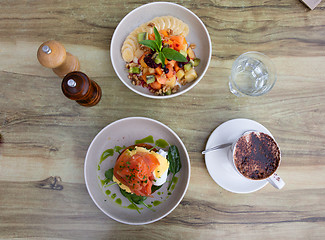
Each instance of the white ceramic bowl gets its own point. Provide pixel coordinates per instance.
(123, 133)
(198, 35)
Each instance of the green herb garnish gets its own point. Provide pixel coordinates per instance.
(106, 154)
(109, 174)
(174, 162)
(135, 199)
(155, 188)
(163, 53)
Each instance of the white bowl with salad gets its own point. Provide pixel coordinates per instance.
(137, 170)
(160, 50)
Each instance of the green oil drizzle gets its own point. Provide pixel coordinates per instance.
(118, 148)
(131, 206)
(106, 154)
(118, 201)
(161, 143)
(111, 184)
(98, 167)
(149, 205)
(159, 193)
(108, 192)
(175, 180)
(169, 193)
(113, 196)
(103, 182)
(156, 203)
(148, 139)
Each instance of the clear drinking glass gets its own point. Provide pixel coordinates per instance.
(252, 74)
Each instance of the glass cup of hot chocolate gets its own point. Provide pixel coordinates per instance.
(256, 156)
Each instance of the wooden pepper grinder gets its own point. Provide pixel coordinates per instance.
(52, 54)
(77, 86)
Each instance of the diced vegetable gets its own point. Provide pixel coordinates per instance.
(150, 79)
(134, 70)
(152, 36)
(142, 36)
(158, 70)
(180, 74)
(190, 75)
(176, 67)
(154, 56)
(190, 53)
(170, 71)
(183, 52)
(169, 91)
(164, 33)
(172, 62)
(196, 62)
(155, 85)
(171, 81)
(142, 62)
(144, 77)
(161, 79)
(157, 60)
(145, 70)
(178, 42)
(187, 67)
(184, 47)
(151, 70)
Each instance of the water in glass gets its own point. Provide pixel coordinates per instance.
(251, 76)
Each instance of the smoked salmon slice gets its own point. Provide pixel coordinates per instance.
(136, 171)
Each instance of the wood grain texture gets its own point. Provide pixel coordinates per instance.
(45, 136)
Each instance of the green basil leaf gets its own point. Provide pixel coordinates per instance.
(138, 199)
(155, 188)
(175, 164)
(133, 197)
(124, 193)
(158, 39)
(150, 44)
(128, 196)
(162, 57)
(174, 159)
(109, 174)
(173, 55)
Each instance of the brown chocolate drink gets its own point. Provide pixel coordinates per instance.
(256, 155)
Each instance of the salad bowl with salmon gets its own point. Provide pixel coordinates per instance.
(137, 175)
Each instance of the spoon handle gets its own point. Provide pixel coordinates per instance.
(216, 147)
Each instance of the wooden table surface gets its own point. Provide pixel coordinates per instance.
(45, 136)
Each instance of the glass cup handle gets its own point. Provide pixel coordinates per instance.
(276, 181)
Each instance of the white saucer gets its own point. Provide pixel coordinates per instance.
(218, 164)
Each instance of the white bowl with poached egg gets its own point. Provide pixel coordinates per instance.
(106, 148)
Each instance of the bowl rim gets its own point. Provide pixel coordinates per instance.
(179, 141)
(193, 83)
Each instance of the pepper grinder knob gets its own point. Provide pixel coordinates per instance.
(77, 86)
(52, 54)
